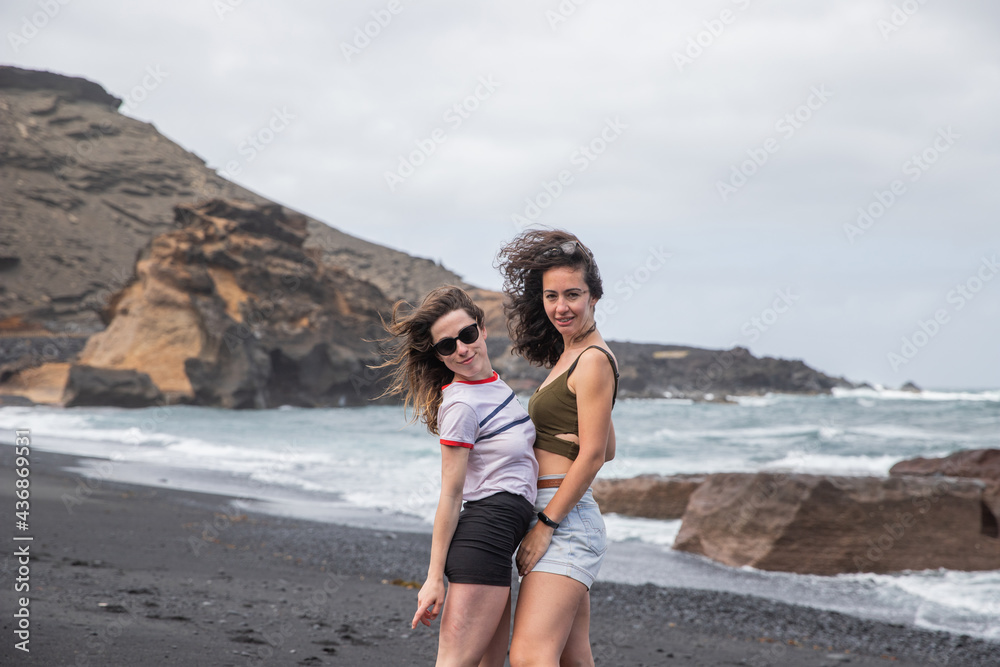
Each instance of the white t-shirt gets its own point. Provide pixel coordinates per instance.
(486, 417)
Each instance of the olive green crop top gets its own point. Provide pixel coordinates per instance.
(553, 412)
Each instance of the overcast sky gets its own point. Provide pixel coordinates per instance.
(716, 156)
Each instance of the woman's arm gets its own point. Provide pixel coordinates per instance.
(454, 461)
(594, 387)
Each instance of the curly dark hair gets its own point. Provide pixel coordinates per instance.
(523, 262)
(417, 372)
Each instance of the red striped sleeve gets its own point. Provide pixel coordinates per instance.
(456, 443)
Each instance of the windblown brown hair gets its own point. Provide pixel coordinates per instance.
(522, 262)
(417, 373)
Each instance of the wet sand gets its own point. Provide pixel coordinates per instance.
(133, 576)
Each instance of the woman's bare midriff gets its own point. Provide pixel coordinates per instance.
(554, 464)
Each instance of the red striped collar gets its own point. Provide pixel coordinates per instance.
(495, 377)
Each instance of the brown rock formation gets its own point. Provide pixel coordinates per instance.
(983, 464)
(232, 311)
(976, 463)
(649, 496)
(38, 384)
(814, 524)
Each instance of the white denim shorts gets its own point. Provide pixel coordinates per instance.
(578, 545)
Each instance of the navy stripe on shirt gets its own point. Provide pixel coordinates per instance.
(499, 408)
(502, 429)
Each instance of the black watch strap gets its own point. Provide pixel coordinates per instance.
(547, 521)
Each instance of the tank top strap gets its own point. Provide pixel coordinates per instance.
(614, 367)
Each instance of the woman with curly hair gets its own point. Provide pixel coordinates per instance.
(552, 284)
(441, 368)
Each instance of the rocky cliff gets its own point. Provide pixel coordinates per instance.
(89, 240)
(85, 188)
(231, 310)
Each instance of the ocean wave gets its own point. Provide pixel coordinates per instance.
(741, 433)
(288, 480)
(977, 592)
(907, 433)
(44, 420)
(667, 400)
(949, 600)
(764, 401)
(833, 464)
(633, 529)
(992, 395)
(96, 425)
(945, 600)
(194, 447)
(624, 466)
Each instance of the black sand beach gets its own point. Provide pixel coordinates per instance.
(131, 575)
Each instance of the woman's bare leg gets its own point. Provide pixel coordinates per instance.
(496, 652)
(578, 652)
(546, 612)
(469, 623)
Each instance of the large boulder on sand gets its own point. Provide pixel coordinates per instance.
(91, 386)
(815, 524)
(649, 496)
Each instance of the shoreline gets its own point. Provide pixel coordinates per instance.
(122, 574)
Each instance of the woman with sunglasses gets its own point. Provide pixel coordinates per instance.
(552, 286)
(440, 365)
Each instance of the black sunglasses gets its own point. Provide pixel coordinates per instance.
(447, 346)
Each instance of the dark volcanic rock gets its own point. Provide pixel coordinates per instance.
(814, 524)
(68, 88)
(15, 400)
(106, 386)
(20, 352)
(652, 370)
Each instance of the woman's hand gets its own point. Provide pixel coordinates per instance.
(533, 547)
(429, 602)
